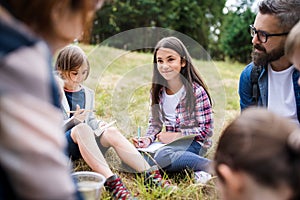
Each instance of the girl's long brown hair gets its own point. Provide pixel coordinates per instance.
(189, 74)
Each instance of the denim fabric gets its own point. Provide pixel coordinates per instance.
(72, 148)
(245, 89)
(182, 155)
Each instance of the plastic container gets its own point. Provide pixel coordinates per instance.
(89, 184)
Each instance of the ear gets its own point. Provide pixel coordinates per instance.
(183, 62)
(232, 179)
(56, 12)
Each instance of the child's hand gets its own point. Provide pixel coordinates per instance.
(141, 142)
(80, 114)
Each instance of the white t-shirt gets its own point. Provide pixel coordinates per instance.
(281, 96)
(170, 103)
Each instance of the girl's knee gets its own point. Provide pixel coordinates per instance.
(112, 133)
(163, 157)
(112, 136)
(81, 129)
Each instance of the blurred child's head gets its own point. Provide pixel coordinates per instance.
(70, 61)
(259, 150)
(292, 46)
(58, 21)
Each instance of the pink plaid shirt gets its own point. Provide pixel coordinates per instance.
(200, 122)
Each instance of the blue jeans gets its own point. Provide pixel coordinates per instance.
(182, 155)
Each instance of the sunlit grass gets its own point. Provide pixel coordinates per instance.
(121, 81)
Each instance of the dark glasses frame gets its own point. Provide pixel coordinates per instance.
(262, 35)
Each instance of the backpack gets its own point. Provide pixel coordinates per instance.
(255, 73)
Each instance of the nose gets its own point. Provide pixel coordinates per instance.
(255, 39)
(164, 66)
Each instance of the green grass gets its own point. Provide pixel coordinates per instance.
(122, 81)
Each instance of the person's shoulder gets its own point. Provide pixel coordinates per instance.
(13, 37)
(87, 89)
(247, 70)
(248, 67)
(197, 87)
(196, 84)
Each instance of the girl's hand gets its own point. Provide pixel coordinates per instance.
(141, 142)
(80, 114)
(168, 137)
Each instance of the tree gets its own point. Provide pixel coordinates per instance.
(235, 39)
(191, 17)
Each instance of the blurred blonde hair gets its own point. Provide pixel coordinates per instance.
(293, 41)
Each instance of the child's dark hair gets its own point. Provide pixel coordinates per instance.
(188, 73)
(70, 58)
(265, 146)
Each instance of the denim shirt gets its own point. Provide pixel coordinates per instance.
(245, 89)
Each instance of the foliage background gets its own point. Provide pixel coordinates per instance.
(104, 80)
(223, 31)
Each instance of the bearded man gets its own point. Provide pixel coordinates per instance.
(277, 87)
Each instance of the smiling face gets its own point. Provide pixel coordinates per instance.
(273, 49)
(169, 63)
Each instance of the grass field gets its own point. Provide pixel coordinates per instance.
(121, 80)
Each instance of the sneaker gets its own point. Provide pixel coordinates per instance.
(153, 178)
(117, 188)
(202, 177)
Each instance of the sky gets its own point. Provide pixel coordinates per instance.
(230, 3)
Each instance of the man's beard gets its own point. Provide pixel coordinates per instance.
(263, 58)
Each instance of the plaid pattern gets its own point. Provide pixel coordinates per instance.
(200, 122)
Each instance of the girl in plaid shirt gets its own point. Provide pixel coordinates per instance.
(182, 105)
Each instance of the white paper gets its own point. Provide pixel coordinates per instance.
(154, 146)
(100, 130)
